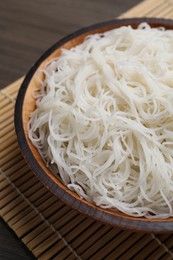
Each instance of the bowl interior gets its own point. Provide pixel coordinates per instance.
(26, 104)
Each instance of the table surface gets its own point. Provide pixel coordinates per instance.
(27, 29)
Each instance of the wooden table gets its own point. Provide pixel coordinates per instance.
(30, 27)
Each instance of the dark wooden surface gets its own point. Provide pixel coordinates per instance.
(27, 29)
(10, 245)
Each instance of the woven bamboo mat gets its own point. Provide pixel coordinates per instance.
(50, 229)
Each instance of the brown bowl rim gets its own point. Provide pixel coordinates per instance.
(125, 222)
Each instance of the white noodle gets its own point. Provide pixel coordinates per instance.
(104, 116)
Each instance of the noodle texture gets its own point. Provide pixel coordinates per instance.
(104, 118)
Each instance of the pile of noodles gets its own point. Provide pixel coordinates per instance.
(104, 117)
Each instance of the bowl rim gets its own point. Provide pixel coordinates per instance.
(134, 223)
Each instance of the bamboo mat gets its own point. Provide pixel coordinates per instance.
(50, 229)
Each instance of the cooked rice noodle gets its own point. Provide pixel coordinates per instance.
(104, 117)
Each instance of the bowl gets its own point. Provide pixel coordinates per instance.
(25, 104)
